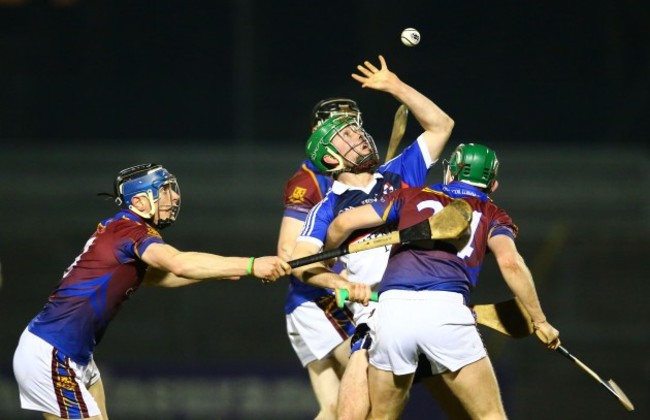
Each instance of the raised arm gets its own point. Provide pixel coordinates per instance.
(436, 123)
(170, 267)
(519, 279)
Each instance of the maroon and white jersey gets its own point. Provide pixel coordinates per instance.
(415, 268)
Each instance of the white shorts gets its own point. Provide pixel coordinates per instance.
(50, 382)
(361, 313)
(366, 267)
(436, 324)
(314, 331)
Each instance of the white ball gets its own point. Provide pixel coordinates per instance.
(410, 37)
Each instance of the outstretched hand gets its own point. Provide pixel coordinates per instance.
(374, 78)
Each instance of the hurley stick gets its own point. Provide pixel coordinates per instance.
(508, 317)
(399, 127)
(449, 224)
(512, 319)
(610, 385)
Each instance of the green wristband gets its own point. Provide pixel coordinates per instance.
(249, 269)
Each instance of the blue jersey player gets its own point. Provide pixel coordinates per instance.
(342, 148)
(53, 363)
(425, 289)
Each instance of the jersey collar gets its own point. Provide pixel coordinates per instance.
(339, 188)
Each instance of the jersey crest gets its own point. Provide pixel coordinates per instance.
(153, 232)
(297, 196)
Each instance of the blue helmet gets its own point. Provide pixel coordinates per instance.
(146, 180)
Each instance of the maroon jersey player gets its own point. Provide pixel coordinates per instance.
(53, 363)
(426, 286)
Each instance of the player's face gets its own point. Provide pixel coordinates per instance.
(351, 144)
(168, 199)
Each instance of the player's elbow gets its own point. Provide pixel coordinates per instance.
(285, 249)
(445, 125)
(300, 273)
(180, 267)
(448, 124)
(179, 270)
(336, 232)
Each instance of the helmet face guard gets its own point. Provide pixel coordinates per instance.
(473, 164)
(333, 107)
(152, 182)
(320, 145)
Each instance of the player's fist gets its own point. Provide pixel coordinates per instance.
(270, 268)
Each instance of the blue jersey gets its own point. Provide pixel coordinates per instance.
(408, 169)
(413, 266)
(107, 272)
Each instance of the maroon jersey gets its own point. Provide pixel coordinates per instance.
(93, 288)
(304, 190)
(417, 268)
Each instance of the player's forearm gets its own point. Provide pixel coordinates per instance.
(320, 276)
(201, 266)
(428, 114)
(158, 278)
(520, 281)
(336, 234)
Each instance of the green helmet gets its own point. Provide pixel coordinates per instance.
(474, 164)
(320, 145)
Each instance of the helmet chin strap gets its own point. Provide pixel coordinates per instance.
(447, 176)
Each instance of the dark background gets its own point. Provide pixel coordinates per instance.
(220, 92)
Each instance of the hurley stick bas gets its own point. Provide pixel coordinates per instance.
(448, 224)
(399, 127)
(512, 319)
(609, 385)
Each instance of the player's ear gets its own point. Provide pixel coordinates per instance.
(138, 202)
(330, 160)
(494, 187)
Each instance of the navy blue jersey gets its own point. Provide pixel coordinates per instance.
(409, 169)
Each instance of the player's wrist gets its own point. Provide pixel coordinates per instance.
(250, 268)
(536, 324)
